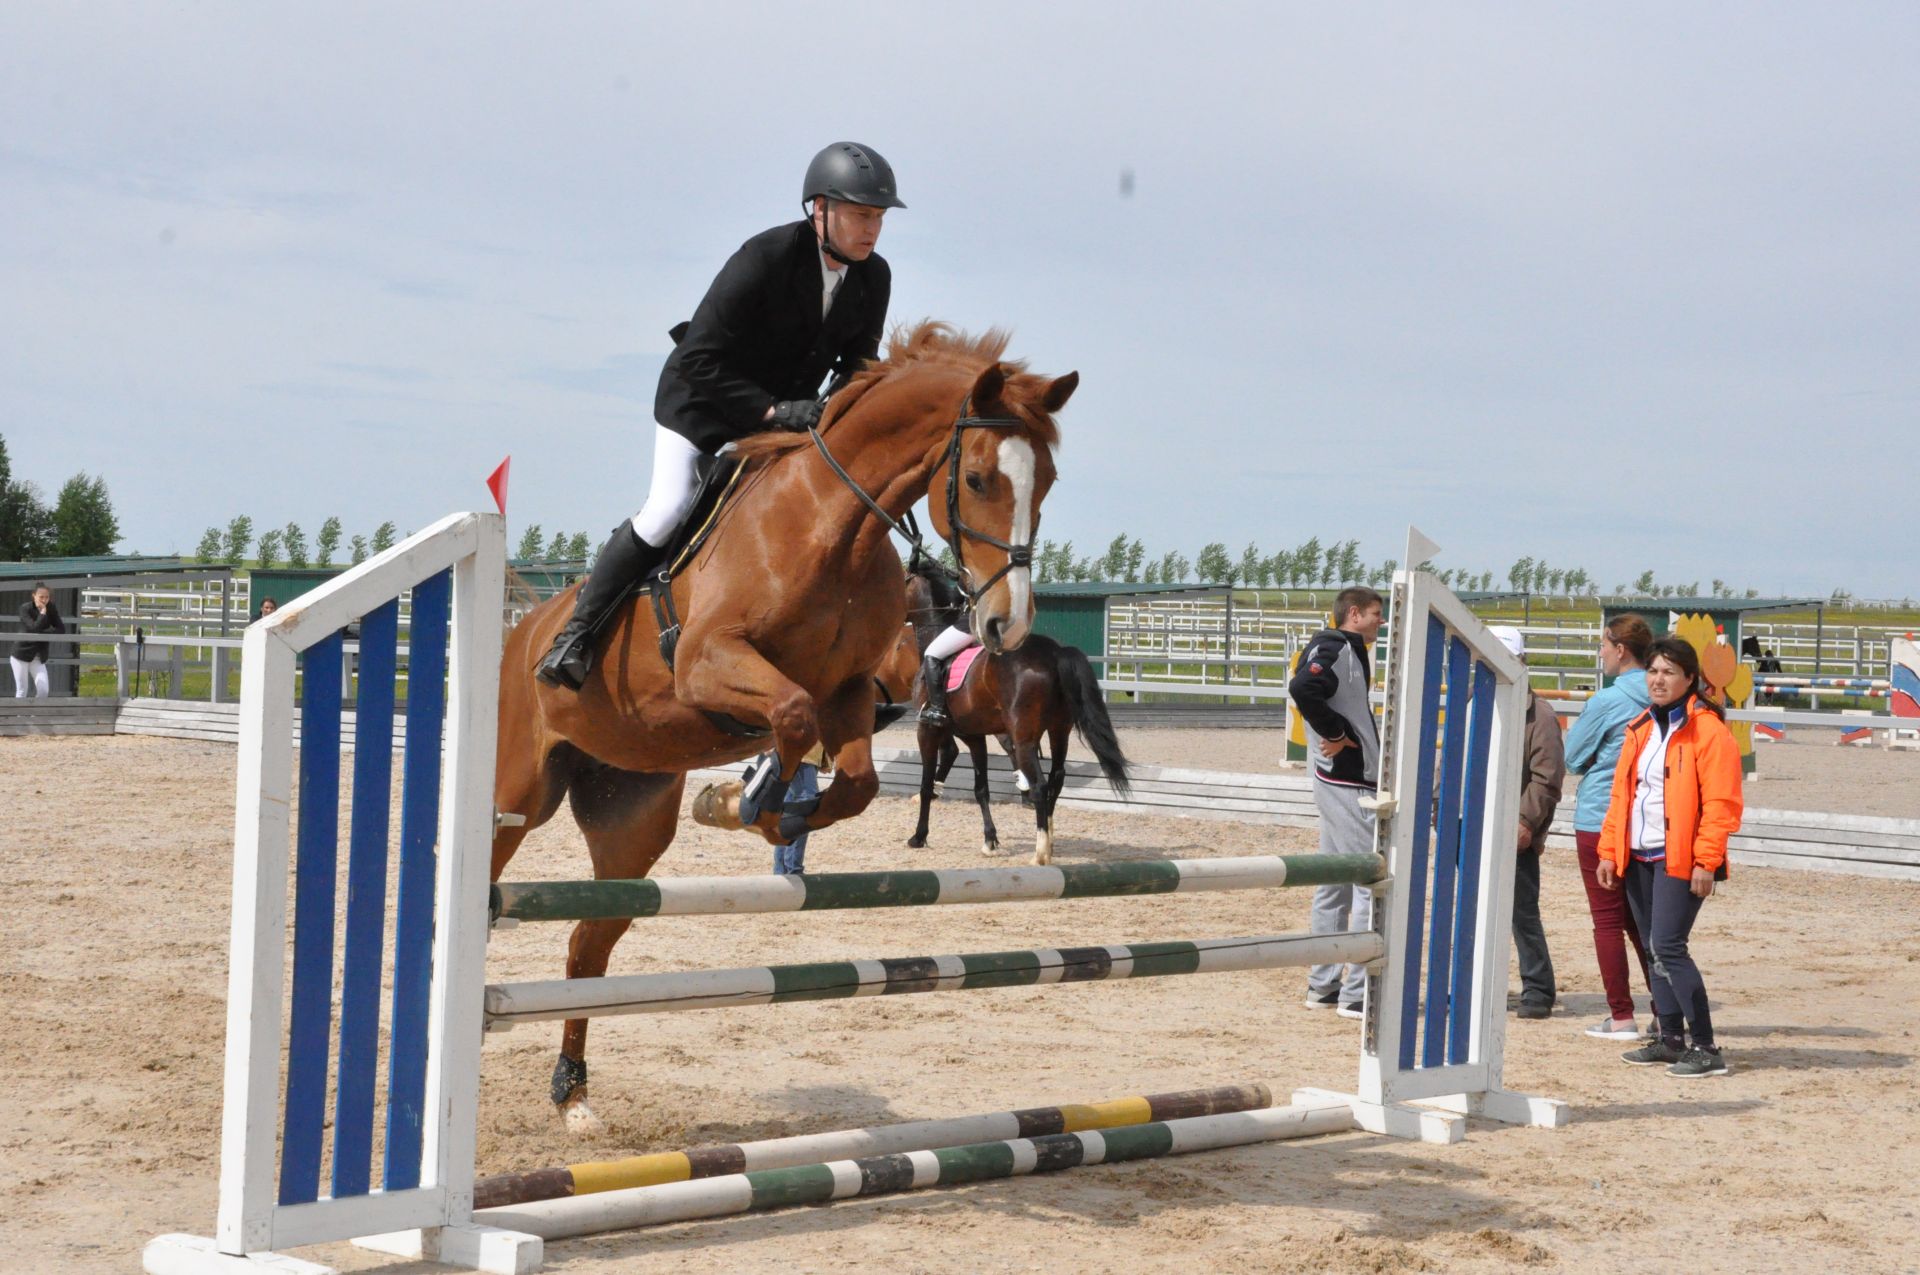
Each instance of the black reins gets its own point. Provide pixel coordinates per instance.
(908, 529)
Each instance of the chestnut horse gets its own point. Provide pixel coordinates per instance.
(1044, 688)
(789, 607)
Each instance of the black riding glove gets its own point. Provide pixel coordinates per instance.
(796, 414)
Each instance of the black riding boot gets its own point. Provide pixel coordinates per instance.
(933, 674)
(624, 559)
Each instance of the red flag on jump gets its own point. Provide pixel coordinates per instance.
(497, 484)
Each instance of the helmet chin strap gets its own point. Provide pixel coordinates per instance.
(826, 235)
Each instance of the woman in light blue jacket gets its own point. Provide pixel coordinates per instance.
(1593, 748)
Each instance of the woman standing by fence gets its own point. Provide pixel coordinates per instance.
(1676, 801)
(29, 659)
(1593, 749)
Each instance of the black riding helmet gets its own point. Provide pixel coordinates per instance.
(853, 174)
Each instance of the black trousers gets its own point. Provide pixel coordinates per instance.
(1664, 908)
(1529, 936)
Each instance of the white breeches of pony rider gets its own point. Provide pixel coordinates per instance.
(950, 643)
(670, 494)
(29, 678)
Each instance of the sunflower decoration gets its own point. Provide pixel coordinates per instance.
(1729, 682)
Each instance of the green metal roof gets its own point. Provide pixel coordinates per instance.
(1742, 605)
(1115, 588)
(105, 565)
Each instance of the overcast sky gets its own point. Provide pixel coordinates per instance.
(1622, 286)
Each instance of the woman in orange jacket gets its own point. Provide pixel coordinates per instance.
(1676, 801)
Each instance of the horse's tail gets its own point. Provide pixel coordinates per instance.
(1090, 717)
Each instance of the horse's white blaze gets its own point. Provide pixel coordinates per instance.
(1016, 462)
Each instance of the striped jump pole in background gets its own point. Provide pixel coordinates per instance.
(817, 1148)
(887, 1174)
(509, 1003)
(826, 891)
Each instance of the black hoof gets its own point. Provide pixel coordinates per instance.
(918, 843)
(568, 1076)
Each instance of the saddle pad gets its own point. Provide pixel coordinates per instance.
(957, 671)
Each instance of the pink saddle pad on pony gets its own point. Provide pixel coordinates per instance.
(957, 671)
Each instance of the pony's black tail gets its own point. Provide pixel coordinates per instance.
(1090, 716)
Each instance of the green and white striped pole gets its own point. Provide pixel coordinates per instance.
(888, 1174)
(509, 1003)
(827, 891)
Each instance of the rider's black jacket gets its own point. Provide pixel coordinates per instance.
(757, 337)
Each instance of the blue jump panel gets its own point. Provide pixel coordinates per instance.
(1446, 854)
(1466, 911)
(317, 861)
(366, 904)
(413, 911)
(1416, 873)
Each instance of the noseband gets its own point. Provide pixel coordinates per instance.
(1018, 555)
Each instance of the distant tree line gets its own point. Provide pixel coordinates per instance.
(287, 545)
(79, 523)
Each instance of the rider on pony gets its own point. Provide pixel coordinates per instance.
(751, 359)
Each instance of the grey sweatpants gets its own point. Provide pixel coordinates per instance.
(1344, 829)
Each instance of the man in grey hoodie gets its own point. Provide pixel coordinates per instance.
(1330, 691)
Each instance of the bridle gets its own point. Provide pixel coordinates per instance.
(1018, 555)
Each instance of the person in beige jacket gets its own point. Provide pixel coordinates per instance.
(1543, 771)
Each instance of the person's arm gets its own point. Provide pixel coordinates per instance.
(733, 309)
(1588, 734)
(1312, 689)
(1619, 821)
(1721, 802)
(1546, 771)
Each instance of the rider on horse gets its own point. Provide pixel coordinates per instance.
(751, 359)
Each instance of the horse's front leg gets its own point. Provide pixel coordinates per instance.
(722, 672)
(983, 793)
(931, 748)
(846, 724)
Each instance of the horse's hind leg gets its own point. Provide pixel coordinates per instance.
(930, 754)
(1048, 793)
(531, 788)
(982, 793)
(629, 820)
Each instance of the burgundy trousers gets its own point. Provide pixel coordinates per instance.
(1611, 921)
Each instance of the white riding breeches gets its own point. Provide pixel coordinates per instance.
(29, 678)
(670, 494)
(950, 643)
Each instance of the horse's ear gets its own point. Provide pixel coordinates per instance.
(988, 387)
(1060, 391)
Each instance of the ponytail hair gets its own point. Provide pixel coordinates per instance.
(1680, 653)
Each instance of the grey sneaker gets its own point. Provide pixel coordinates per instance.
(1614, 1029)
(1351, 1009)
(1652, 1054)
(1323, 1000)
(1699, 1062)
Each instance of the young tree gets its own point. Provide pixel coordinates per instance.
(1174, 567)
(357, 550)
(1043, 562)
(1253, 566)
(1153, 573)
(1330, 563)
(209, 550)
(384, 537)
(268, 553)
(1554, 577)
(239, 537)
(1113, 563)
(26, 524)
(1540, 570)
(1644, 584)
(327, 542)
(1136, 554)
(1213, 564)
(557, 547)
(83, 521)
(579, 546)
(296, 543)
(1350, 562)
(1306, 562)
(1520, 573)
(1086, 569)
(528, 550)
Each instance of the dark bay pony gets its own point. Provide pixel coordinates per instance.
(1045, 688)
(788, 609)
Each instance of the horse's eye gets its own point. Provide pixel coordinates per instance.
(976, 483)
